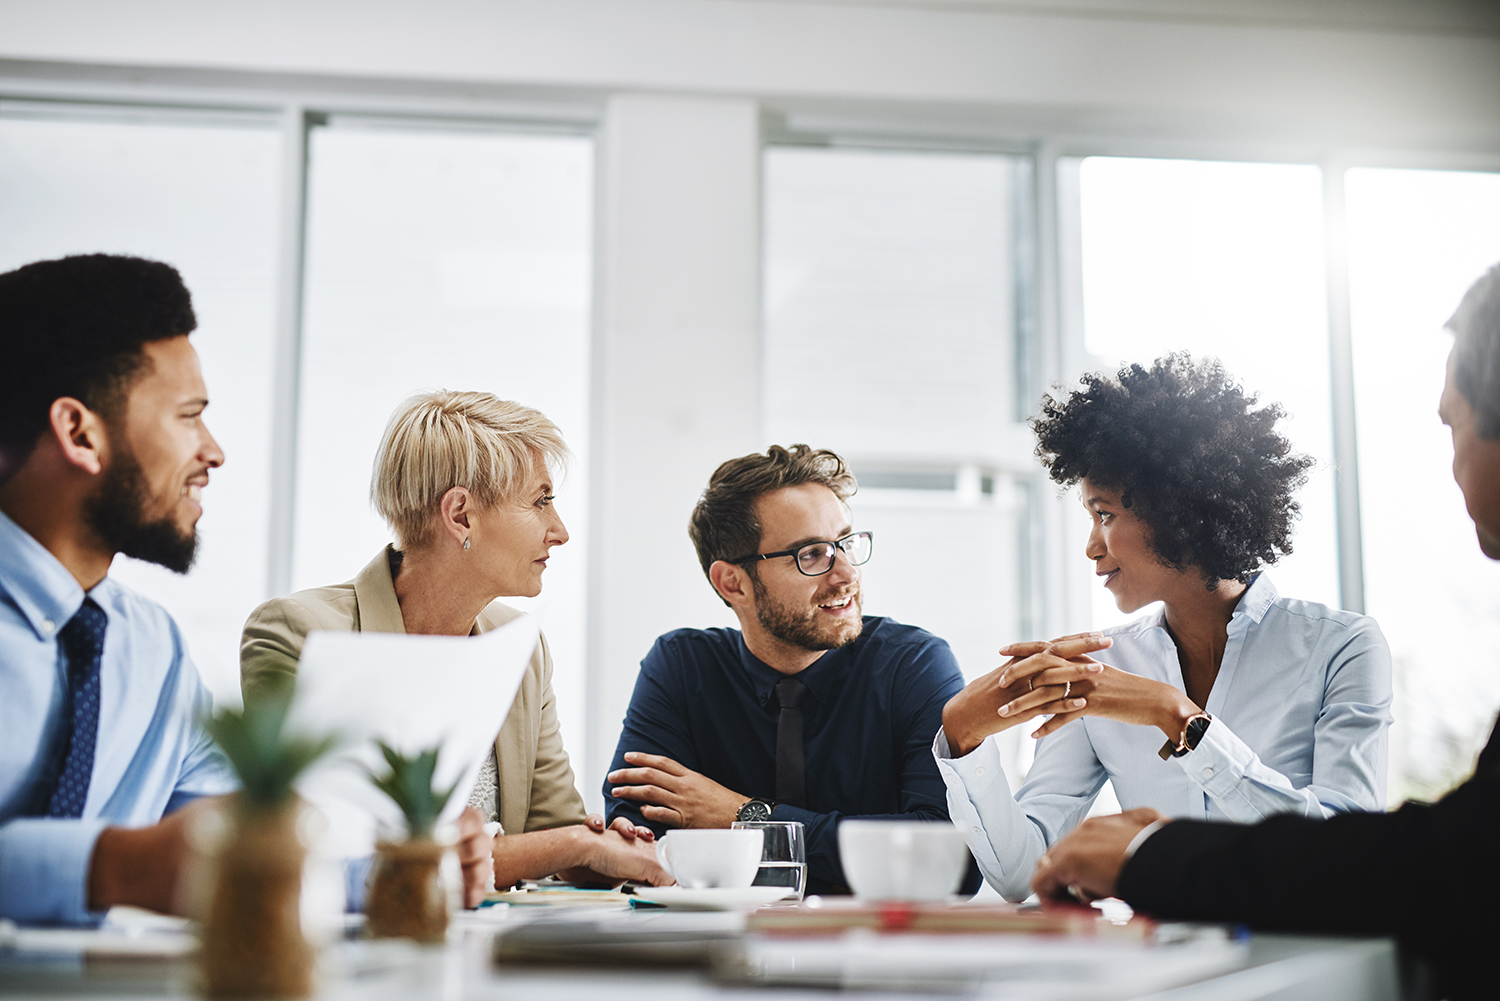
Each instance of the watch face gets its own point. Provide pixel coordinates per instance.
(754, 810)
(1193, 735)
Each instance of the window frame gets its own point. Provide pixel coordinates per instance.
(1059, 581)
(1050, 337)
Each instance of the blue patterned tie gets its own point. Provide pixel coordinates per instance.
(82, 642)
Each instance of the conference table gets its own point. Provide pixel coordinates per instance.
(635, 954)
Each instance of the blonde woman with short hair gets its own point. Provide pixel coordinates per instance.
(465, 482)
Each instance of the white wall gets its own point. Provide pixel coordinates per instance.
(677, 371)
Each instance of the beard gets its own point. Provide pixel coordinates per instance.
(117, 514)
(801, 626)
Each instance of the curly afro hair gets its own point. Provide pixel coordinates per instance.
(1191, 455)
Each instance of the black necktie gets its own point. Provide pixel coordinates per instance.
(791, 770)
(82, 641)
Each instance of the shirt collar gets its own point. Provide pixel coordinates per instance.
(1255, 602)
(41, 587)
(819, 676)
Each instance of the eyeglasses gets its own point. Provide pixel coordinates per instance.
(816, 558)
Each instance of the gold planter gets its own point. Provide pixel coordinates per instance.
(253, 945)
(409, 895)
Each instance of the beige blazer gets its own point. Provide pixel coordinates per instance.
(536, 784)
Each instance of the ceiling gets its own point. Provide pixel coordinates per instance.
(1447, 17)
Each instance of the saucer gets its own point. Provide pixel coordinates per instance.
(712, 898)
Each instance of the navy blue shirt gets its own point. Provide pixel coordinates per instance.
(869, 716)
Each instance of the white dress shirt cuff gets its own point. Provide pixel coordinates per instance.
(1141, 836)
(1218, 763)
(44, 870)
(975, 773)
(977, 785)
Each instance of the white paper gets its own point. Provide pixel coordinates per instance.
(413, 692)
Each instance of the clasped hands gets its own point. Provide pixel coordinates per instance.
(620, 851)
(1060, 679)
(1041, 677)
(475, 848)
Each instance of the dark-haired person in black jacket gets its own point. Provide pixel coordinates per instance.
(1426, 873)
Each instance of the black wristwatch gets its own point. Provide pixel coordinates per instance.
(1192, 733)
(755, 809)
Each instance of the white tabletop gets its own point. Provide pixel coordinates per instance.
(1186, 964)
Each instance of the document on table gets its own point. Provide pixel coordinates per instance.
(125, 933)
(413, 693)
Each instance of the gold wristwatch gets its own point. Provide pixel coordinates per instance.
(1192, 733)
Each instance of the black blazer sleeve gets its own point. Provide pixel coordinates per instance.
(1427, 873)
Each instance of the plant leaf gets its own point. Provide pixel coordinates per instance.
(408, 782)
(267, 763)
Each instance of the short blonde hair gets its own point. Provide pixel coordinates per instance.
(440, 440)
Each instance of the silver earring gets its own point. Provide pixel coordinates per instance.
(466, 543)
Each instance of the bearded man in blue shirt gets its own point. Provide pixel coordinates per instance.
(809, 711)
(103, 450)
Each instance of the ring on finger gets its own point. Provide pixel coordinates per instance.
(1031, 683)
(1067, 687)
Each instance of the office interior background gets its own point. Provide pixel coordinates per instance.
(687, 229)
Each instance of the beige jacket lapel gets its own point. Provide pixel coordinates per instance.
(537, 787)
(375, 601)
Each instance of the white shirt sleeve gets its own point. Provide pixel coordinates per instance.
(44, 869)
(1007, 834)
(1349, 745)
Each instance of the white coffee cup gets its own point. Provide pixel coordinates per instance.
(902, 859)
(711, 858)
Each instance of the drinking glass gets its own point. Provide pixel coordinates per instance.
(783, 859)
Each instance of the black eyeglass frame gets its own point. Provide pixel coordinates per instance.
(839, 546)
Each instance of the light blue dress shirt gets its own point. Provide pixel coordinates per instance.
(152, 755)
(1301, 709)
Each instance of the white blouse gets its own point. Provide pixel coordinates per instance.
(485, 796)
(1301, 708)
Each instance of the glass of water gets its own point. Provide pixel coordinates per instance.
(783, 860)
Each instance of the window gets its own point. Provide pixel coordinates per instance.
(1224, 260)
(434, 259)
(1417, 240)
(900, 328)
(1228, 259)
(890, 337)
(201, 194)
(443, 260)
(892, 297)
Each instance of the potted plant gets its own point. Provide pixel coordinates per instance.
(253, 945)
(410, 896)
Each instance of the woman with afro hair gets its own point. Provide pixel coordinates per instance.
(1227, 702)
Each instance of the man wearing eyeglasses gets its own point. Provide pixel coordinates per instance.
(809, 711)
